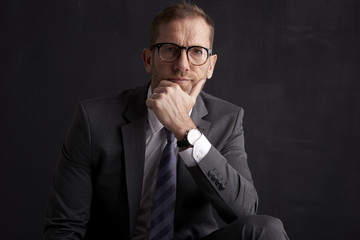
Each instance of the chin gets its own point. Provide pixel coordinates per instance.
(186, 89)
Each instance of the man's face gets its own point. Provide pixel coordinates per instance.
(183, 32)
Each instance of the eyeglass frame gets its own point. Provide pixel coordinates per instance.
(159, 45)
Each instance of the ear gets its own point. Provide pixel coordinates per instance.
(212, 61)
(147, 59)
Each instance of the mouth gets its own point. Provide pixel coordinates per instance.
(179, 80)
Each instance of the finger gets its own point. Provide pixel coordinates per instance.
(159, 90)
(165, 83)
(149, 103)
(196, 89)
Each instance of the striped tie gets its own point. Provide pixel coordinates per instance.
(162, 214)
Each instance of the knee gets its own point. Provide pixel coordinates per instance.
(263, 227)
(270, 228)
(269, 223)
(259, 227)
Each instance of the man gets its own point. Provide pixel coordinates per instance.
(107, 182)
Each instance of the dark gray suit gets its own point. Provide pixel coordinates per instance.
(98, 180)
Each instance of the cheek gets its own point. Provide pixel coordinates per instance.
(202, 72)
(160, 68)
(159, 72)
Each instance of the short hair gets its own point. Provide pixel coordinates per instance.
(176, 11)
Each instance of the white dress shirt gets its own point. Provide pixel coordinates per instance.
(155, 143)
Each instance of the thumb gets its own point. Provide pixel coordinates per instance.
(197, 88)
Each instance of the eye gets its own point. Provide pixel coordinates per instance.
(197, 51)
(169, 49)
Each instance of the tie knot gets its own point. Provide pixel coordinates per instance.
(169, 135)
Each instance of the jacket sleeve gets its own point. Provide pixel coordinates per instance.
(224, 176)
(70, 196)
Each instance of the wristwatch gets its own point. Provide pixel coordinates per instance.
(190, 138)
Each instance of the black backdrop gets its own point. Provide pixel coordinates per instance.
(293, 66)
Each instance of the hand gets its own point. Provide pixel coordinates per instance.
(172, 105)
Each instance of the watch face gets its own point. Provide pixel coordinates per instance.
(193, 135)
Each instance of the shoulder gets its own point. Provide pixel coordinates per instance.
(109, 100)
(114, 106)
(118, 102)
(218, 106)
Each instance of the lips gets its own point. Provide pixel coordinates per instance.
(179, 80)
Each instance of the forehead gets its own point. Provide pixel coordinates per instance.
(185, 32)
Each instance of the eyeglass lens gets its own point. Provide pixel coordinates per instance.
(171, 52)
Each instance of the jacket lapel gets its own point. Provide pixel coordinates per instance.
(134, 137)
(198, 113)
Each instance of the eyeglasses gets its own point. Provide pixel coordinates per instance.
(170, 52)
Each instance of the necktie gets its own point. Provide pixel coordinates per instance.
(162, 214)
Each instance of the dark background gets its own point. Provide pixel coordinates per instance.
(292, 65)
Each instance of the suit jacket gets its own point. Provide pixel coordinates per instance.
(98, 180)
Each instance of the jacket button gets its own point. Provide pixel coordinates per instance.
(211, 173)
(214, 178)
(222, 187)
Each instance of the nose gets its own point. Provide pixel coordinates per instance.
(182, 63)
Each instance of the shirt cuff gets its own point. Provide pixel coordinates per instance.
(193, 156)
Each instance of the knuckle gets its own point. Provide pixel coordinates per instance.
(169, 89)
(156, 104)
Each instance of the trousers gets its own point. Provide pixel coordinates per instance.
(253, 227)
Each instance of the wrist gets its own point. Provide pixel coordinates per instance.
(189, 140)
(181, 131)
